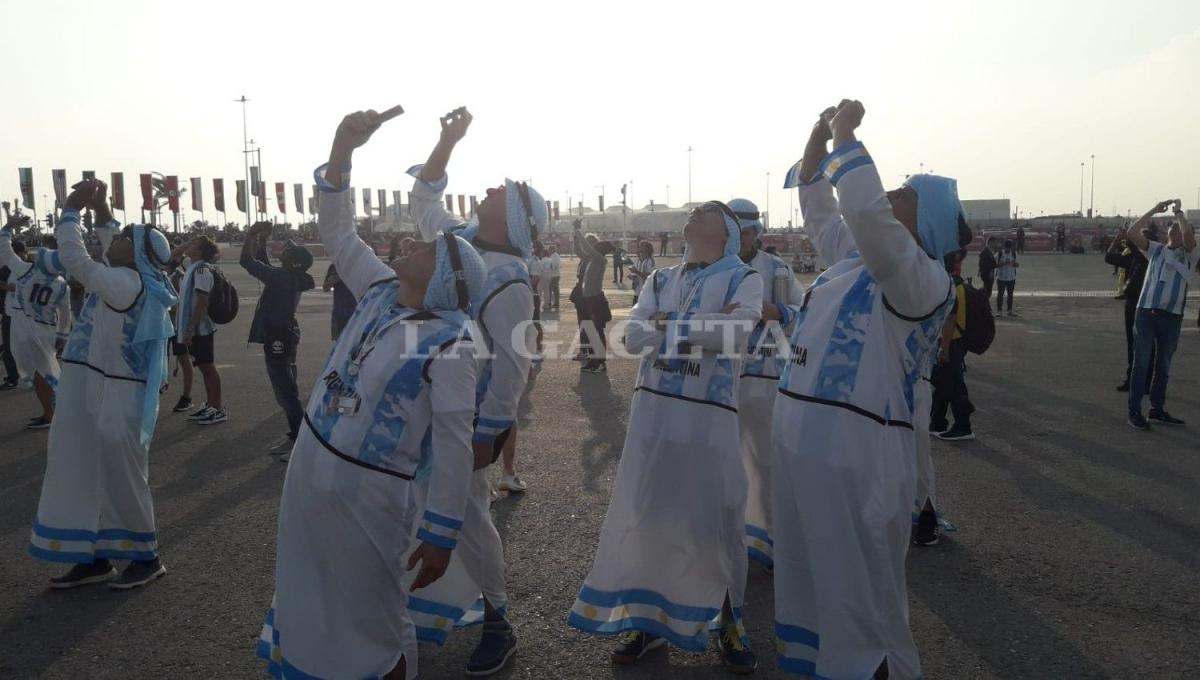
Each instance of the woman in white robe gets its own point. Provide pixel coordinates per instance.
(672, 558)
(844, 465)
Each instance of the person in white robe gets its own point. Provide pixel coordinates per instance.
(39, 331)
(671, 562)
(393, 407)
(96, 505)
(843, 466)
(509, 220)
(758, 385)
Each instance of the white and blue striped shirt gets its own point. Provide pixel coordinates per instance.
(1167, 275)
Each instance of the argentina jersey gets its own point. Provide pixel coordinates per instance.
(371, 404)
(1167, 275)
(41, 294)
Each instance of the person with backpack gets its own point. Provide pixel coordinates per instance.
(949, 374)
(1006, 276)
(197, 329)
(274, 325)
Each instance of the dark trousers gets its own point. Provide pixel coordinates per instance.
(553, 296)
(1004, 287)
(950, 390)
(1131, 300)
(662, 248)
(618, 271)
(594, 316)
(1152, 330)
(987, 282)
(10, 364)
(281, 371)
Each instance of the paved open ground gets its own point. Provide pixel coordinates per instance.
(1077, 553)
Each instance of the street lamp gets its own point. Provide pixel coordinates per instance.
(1092, 200)
(1081, 188)
(245, 158)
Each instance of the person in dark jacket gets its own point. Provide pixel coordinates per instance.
(343, 301)
(592, 307)
(1122, 254)
(274, 325)
(11, 377)
(987, 265)
(1020, 240)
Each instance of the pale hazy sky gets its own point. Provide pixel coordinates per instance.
(1008, 96)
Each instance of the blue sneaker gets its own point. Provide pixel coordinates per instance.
(496, 647)
(738, 658)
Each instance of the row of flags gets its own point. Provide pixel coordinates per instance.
(155, 188)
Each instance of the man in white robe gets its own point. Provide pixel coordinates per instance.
(671, 562)
(96, 505)
(843, 466)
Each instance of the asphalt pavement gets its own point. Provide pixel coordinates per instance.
(1076, 555)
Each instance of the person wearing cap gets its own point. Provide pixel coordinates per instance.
(843, 463)
(387, 431)
(274, 325)
(509, 220)
(96, 505)
(758, 384)
(672, 554)
(40, 329)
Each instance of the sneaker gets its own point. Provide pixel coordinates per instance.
(184, 404)
(496, 647)
(138, 574)
(536, 357)
(1012, 313)
(1123, 387)
(738, 658)
(925, 534)
(199, 413)
(282, 447)
(633, 645)
(1165, 418)
(938, 428)
(582, 356)
(956, 435)
(214, 416)
(83, 574)
(1137, 422)
(38, 423)
(596, 366)
(512, 484)
(8, 385)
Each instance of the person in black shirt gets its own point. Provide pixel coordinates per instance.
(1020, 240)
(1122, 254)
(987, 266)
(11, 377)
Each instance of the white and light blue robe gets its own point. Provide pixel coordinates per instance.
(843, 465)
(96, 500)
(672, 545)
(758, 387)
(393, 404)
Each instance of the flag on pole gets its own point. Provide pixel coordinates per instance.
(353, 203)
(410, 203)
(281, 197)
(549, 208)
(449, 203)
(601, 202)
(26, 176)
(396, 203)
(173, 192)
(556, 211)
(116, 189)
(382, 202)
(89, 174)
(241, 194)
(60, 187)
(312, 205)
(254, 180)
(147, 192)
(462, 205)
(316, 200)
(298, 190)
(197, 195)
(367, 202)
(262, 197)
(474, 205)
(219, 194)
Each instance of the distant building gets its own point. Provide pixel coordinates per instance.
(976, 210)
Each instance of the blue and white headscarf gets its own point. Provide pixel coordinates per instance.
(747, 214)
(442, 294)
(519, 228)
(938, 210)
(154, 322)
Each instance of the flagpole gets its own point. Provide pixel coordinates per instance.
(245, 158)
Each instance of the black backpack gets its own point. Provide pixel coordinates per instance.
(222, 299)
(981, 326)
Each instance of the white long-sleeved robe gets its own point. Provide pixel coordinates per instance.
(672, 543)
(96, 500)
(843, 465)
(349, 509)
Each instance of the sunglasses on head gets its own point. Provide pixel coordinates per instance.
(460, 278)
(527, 203)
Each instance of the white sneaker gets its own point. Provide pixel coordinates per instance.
(199, 413)
(282, 446)
(512, 484)
(214, 416)
(535, 358)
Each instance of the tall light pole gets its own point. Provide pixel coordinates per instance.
(668, 203)
(245, 157)
(767, 209)
(689, 174)
(1092, 200)
(1081, 188)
